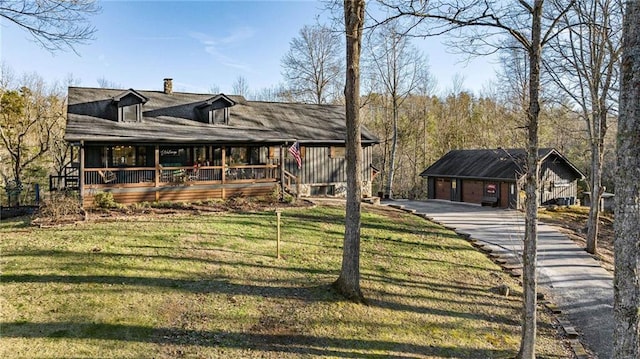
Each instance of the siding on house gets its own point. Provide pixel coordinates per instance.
(183, 193)
(318, 166)
(556, 182)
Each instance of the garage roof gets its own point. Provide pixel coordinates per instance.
(500, 163)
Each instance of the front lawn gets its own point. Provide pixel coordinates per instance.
(209, 285)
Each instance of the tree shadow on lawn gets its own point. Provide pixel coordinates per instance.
(296, 291)
(369, 223)
(276, 343)
(202, 286)
(84, 259)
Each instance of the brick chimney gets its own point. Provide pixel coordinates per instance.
(168, 86)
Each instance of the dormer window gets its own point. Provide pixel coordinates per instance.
(129, 105)
(129, 113)
(215, 110)
(220, 116)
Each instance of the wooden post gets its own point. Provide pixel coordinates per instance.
(282, 149)
(224, 169)
(278, 212)
(81, 174)
(158, 171)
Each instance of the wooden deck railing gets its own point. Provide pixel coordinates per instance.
(111, 176)
(291, 183)
(149, 176)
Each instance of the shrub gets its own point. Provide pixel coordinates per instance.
(287, 198)
(140, 206)
(277, 196)
(104, 200)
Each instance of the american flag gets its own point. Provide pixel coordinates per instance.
(294, 150)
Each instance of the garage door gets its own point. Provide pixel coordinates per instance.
(443, 188)
(472, 191)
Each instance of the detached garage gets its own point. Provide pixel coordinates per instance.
(495, 177)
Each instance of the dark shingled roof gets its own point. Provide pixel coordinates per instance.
(173, 118)
(495, 164)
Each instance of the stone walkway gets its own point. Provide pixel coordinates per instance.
(569, 277)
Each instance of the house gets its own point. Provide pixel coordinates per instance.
(174, 146)
(496, 177)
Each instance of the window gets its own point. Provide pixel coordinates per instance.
(129, 106)
(202, 156)
(336, 152)
(129, 113)
(237, 156)
(220, 116)
(141, 156)
(246, 155)
(123, 156)
(217, 156)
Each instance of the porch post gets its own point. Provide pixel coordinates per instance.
(81, 173)
(224, 170)
(282, 149)
(156, 154)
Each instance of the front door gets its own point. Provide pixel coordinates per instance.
(454, 190)
(513, 195)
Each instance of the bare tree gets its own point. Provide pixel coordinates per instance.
(514, 76)
(481, 27)
(348, 283)
(274, 93)
(240, 87)
(312, 67)
(54, 24)
(627, 224)
(395, 65)
(584, 66)
(28, 118)
(104, 83)
(61, 153)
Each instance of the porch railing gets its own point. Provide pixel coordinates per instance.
(147, 176)
(291, 183)
(98, 176)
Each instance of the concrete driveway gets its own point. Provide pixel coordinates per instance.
(567, 275)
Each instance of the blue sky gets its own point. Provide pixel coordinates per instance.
(199, 44)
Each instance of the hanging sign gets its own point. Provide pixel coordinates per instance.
(168, 152)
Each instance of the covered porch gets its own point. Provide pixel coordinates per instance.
(181, 172)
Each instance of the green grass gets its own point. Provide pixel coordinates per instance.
(210, 286)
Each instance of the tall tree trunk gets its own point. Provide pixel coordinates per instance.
(596, 195)
(627, 224)
(17, 177)
(348, 283)
(394, 147)
(529, 255)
